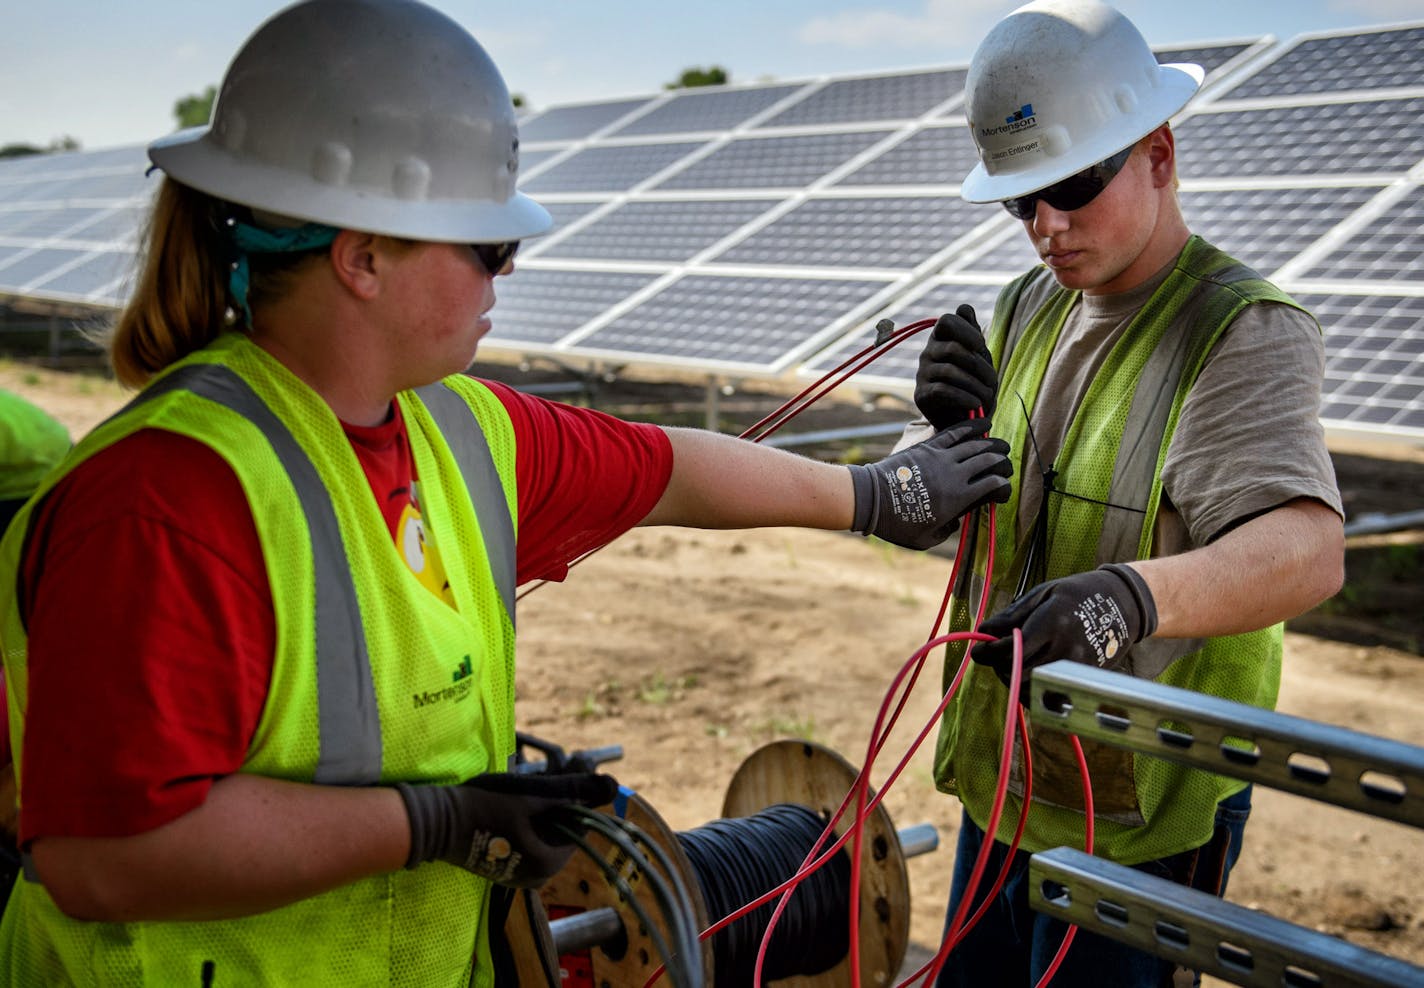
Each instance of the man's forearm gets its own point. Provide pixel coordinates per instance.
(1273, 567)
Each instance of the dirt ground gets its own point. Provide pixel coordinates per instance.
(692, 649)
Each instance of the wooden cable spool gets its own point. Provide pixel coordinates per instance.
(624, 955)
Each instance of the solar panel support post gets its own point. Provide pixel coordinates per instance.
(1377, 776)
(714, 403)
(1363, 772)
(1200, 932)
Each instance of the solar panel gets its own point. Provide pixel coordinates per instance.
(1358, 137)
(746, 321)
(1370, 60)
(940, 155)
(890, 97)
(761, 229)
(1388, 248)
(75, 279)
(896, 366)
(1374, 359)
(69, 222)
(608, 168)
(1006, 253)
(530, 160)
(1209, 57)
(541, 306)
(1267, 227)
(564, 123)
(565, 212)
(772, 162)
(863, 232)
(28, 271)
(662, 230)
(692, 110)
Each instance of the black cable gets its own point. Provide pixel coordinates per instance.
(1036, 559)
(626, 894)
(737, 860)
(675, 902)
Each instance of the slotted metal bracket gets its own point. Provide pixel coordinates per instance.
(1201, 932)
(1374, 775)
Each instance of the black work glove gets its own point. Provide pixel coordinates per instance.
(1091, 617)
(956, 373)
(500, 825)
(915, 498)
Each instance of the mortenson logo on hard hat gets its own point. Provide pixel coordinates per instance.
(1020, 119)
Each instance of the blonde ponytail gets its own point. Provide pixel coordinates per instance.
(180, 301)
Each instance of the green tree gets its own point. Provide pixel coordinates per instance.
(65, 143)
(518, 100)
(195, 110)
(713, 75)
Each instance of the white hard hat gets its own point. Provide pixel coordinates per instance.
(384, 116)
(1058, 86)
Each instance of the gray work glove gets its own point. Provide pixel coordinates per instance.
(1091, 617)
(915, 498)
(500, 825)
(956, 374)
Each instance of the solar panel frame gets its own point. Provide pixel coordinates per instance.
(713, 109)
(759, 162)
(766, 338)
(577, 121)
(1298, 192)
(1307, 65)
(874, 98)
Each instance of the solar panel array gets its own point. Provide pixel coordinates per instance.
(761, 230)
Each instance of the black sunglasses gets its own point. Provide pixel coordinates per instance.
(1074, 192)
(495, 256)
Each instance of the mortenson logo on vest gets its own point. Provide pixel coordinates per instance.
(461, 681)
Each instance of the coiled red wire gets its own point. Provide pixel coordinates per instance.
(866, 805)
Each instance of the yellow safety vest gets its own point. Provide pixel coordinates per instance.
(31, 443)
(1138, 392)
(375, 679)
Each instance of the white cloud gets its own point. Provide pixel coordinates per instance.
(942, 24)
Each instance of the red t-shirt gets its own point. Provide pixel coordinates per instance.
(150, 617)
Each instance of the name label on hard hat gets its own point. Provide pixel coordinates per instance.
(1014, 123)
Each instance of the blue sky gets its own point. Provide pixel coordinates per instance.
(108, 73)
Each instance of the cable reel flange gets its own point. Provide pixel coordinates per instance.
(787, 771)
(630, 960)
(812, 775)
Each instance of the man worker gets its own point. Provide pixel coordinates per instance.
(1161, 403)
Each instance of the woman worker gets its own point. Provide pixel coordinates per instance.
(259, 628)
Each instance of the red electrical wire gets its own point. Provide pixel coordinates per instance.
(860, 788)
(1072, 930)
(840, 842)
(794, 406)
(846, 369)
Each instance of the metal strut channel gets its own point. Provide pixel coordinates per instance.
(1199, 931)
(1363, 772)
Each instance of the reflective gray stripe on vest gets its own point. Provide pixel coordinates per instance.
(348, 718)
(466, 439)
(1135, 470)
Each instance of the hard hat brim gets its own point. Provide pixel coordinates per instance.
(1177, 84)
(190, 158)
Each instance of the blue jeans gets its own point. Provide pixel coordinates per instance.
(1013, 945)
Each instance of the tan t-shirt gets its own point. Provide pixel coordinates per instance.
(1249, 437)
